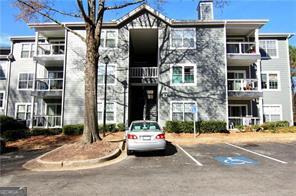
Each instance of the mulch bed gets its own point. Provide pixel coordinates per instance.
(78, 151)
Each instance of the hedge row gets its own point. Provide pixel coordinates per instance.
(9, 123)
(211, 126)
(78, 129)
(16, 134)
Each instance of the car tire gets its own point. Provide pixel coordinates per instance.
(129, 152)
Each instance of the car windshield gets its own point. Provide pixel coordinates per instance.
(145, 126)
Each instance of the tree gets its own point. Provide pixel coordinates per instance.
(93, 17)
(292, 51)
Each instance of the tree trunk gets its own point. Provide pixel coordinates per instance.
(90, 132)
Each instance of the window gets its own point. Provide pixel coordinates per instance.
(2, 94)
(270, 81)
(27, 50)
(25, 81)
(182, 110)
(268, 48)
(3, 66)
(23, 111)
(272, 113)
(110, 74)
(109, 38)
(183, 74)
(237, 110)
(110, 111)
(183, 38)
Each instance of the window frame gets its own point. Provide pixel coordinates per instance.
(3, 100)
(183, 74)
(273, 105)
(4, 64)
(267, 80)
(182, 102)
(239, 105)
(18, 80)
(182, 29)
(115, 74)
(26, 104)
(276, 47)
(104, 32)
(114, 111)
(31, 49)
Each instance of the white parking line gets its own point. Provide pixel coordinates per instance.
(191, 157)
(256, 153)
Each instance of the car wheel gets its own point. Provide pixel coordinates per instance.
(129, 152)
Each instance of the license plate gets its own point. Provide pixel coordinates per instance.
(146, 138)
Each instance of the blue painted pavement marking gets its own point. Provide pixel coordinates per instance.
(236, 160)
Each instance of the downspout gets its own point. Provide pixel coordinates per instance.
(8, 79)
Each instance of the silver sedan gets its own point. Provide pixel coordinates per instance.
(145, 136)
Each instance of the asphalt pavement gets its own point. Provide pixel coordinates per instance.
(204, 169)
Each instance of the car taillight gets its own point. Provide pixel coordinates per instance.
(131, 136)
(160, 136)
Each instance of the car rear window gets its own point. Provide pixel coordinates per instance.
(145, 126)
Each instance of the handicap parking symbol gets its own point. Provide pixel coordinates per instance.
(236, 160)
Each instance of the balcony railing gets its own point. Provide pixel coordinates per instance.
(143, 72)
(243, 85)
(47, 121)
(49, 84)
(245, 121)
(51, 49)
(241, 47)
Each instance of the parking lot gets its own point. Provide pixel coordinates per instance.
(204, 169)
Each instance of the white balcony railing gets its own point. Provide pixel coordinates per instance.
(47, 121)
(243, 85)
(245, 121)
(51, 49)
(241, 47)
(49, 84)
(143, 72)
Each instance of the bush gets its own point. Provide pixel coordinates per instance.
(12, 135)
(50, 131)
(274, 125)
(9, 123)
(211, 126)
(286, 130)
(73, 129)
(120, 127)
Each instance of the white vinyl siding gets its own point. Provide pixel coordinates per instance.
(110, 111)
(269, 48)
(182, 110)
(109, 38)
(25, 81)
(183, 38)
(272, 113)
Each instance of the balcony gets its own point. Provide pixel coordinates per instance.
(47, 121)
(245, 121)
(144, 75)
(49, 54)
(243, 89)
(48, 87)
(242, 53)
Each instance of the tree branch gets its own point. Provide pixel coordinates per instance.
(123, 5)
(52, 19)
(61, 12)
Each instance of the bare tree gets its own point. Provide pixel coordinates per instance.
(92, 13)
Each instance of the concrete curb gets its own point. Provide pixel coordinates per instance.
(72, 165)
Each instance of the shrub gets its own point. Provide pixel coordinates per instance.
(9, 123)
(211, 126)
(109, 127)
(287, 129)
(12, 135)
(41, 131)
(121, 127)
(239, 127)
(274, 125)
(73, 129)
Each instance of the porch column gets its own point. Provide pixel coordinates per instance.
(261, 109)
(258, 62)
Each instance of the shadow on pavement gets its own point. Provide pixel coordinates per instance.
(169, 151)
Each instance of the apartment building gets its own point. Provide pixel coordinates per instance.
(159, 69)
